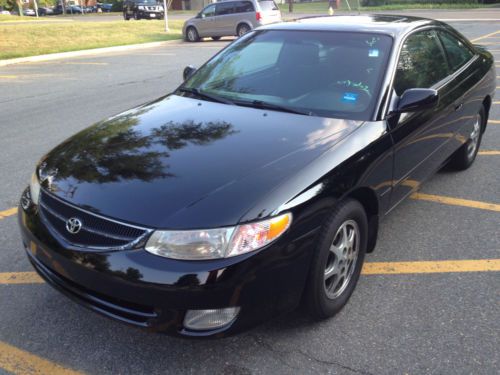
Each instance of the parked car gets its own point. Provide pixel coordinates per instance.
(142, 9)
(4, 11)
(45, 11)
(29, 12)
(228, 18)
(106, 7)
(259, 183)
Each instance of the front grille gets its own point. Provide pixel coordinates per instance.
(97, 232)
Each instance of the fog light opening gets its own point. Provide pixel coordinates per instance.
(203, 320)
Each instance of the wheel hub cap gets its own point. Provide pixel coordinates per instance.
(342, 259)
(474, 139)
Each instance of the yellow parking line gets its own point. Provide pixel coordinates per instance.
(496, 102)
(8, 76)
(20, 278)
(494, 121)
(441, 266)
(19, 361)
(485, 36)
(7, 213)
(456, 201)
(489, 152)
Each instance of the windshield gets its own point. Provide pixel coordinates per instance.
(149, 2)
(330, 74)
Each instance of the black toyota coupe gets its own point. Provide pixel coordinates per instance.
(261, 181)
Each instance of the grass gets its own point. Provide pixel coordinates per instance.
(322, 6)
(32, 38)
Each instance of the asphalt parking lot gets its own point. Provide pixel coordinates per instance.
(428, 302)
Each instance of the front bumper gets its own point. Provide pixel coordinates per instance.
(149, 14)
(144, 290)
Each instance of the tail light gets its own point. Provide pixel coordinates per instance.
(258, 16)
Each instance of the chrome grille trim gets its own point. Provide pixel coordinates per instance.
(58, 220)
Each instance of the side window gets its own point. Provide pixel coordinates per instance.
(243, 7)
(458, 53)
(421, 63)
(208, 11)
(224, 8)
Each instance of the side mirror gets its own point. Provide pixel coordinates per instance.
(188, 72)
(414, 100)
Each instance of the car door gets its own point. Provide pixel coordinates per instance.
(205, 24)
(225, 18)
(420, 138)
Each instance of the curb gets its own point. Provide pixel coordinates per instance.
(87, 52)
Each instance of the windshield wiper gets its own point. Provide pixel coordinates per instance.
(205, 95)
(265, 105)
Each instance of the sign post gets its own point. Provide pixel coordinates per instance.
(165, 14)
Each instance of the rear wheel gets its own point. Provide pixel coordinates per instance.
(192, 34)
(337, 261)
(466, 154)
(242, 29)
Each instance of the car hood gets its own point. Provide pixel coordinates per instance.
(183, 163)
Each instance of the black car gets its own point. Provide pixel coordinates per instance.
(139, 9)
(260, 182)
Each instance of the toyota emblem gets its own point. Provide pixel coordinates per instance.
(73, 225)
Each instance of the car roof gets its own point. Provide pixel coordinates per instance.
(379, 23)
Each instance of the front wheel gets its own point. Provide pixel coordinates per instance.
(126, 16)
(192, 35)
(337, 261)
(466, 154)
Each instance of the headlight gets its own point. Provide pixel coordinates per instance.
(34, 188)
(140, 7)
(217, 243)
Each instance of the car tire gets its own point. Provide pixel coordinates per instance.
(242, 29)
(126, 17)
(466, 154)
(337, 260)
(216, 38)
(192, 34)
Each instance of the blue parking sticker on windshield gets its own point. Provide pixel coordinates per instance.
(373, 53)
(350, 97)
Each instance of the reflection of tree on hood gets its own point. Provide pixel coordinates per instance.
(118, 149)
(174, 137)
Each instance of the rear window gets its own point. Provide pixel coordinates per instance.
(243, 7)
(268, 5)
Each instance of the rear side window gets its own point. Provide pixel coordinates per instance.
(458, 53)
(243, 7)
(267, 5)
(224, 8)
(422, 62)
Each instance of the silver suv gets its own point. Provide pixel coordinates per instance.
(228, 18)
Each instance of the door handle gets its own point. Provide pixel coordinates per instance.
(458, 107)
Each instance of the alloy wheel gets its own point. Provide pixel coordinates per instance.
(474, 138)
(342, 259)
